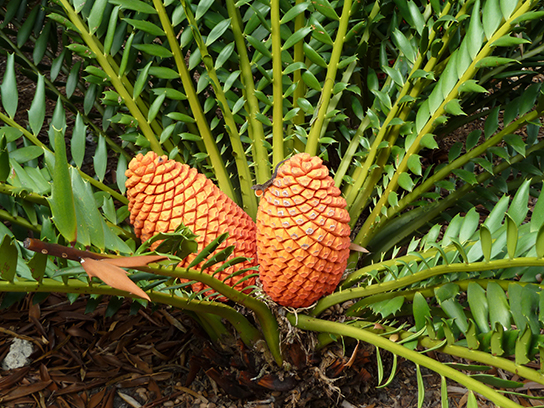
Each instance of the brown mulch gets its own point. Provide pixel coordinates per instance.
(159, 357)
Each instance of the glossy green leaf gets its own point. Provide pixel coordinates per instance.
(314, 56)
(26, 28)
(8, 258)
(27, 153)
(146, 26)
(475, 32)
(508, 41)
(495, 218)
(443, 392)
(499, 310)
(528, 16)
(404, 45)
(9, 92)
(393, 199)
(519, 206)
(5, 166)
(73, 78)
(471, 86)
(311, 81)
(447, 291)
(414, 164)
(466, 176)
(523, 346)
(422, 116)
(100, 158)
(224, 55)
(454, 310)
(135, 5)
(486, 241)
(470, 225)
(110, 32)
(511, 236)
(61, 201)
(479, 307)
(163, 73)
(37, 265)
(86, 204)
(153, 49)
(472, 336)
(319, 32)
(202, 7)
(539, 246)
(180, 117)
(417, 18)
(155, 107)
(420, 310)
(516, 142)
(294, 12)
(492, 62)
(218, 257)
(491, 17)
(259, 46)
(77, 144)
(472, 139)
(420, 387)
(36, 113)
(126, 54)
(96, 15)
(507, 8)
(217, 31)
(405, 181)
(121, 178)
(389, 307)
(296, 37)
(325, 8)
(394, 74)
(453, 107)
(40, 46)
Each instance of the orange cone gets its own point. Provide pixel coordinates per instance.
(303, 233)
(163, 193)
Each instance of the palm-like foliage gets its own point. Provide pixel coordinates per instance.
(375, 88)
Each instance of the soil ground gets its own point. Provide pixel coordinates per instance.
(159, 357)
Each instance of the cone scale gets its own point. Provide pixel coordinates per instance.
(303, 233)
(163, 193)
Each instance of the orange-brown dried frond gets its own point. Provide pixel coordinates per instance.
(302, 233)
(163, 193)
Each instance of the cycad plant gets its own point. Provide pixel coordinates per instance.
(426, 113)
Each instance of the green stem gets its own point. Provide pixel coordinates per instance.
(6, 216)
(318, 126)
(300, 91)
(350, 152)
(30, 197)
(119, 83)
(309, 323)
(220, 171)
(256, 131)
(249, 200)
(348, 294)
(277, 83)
